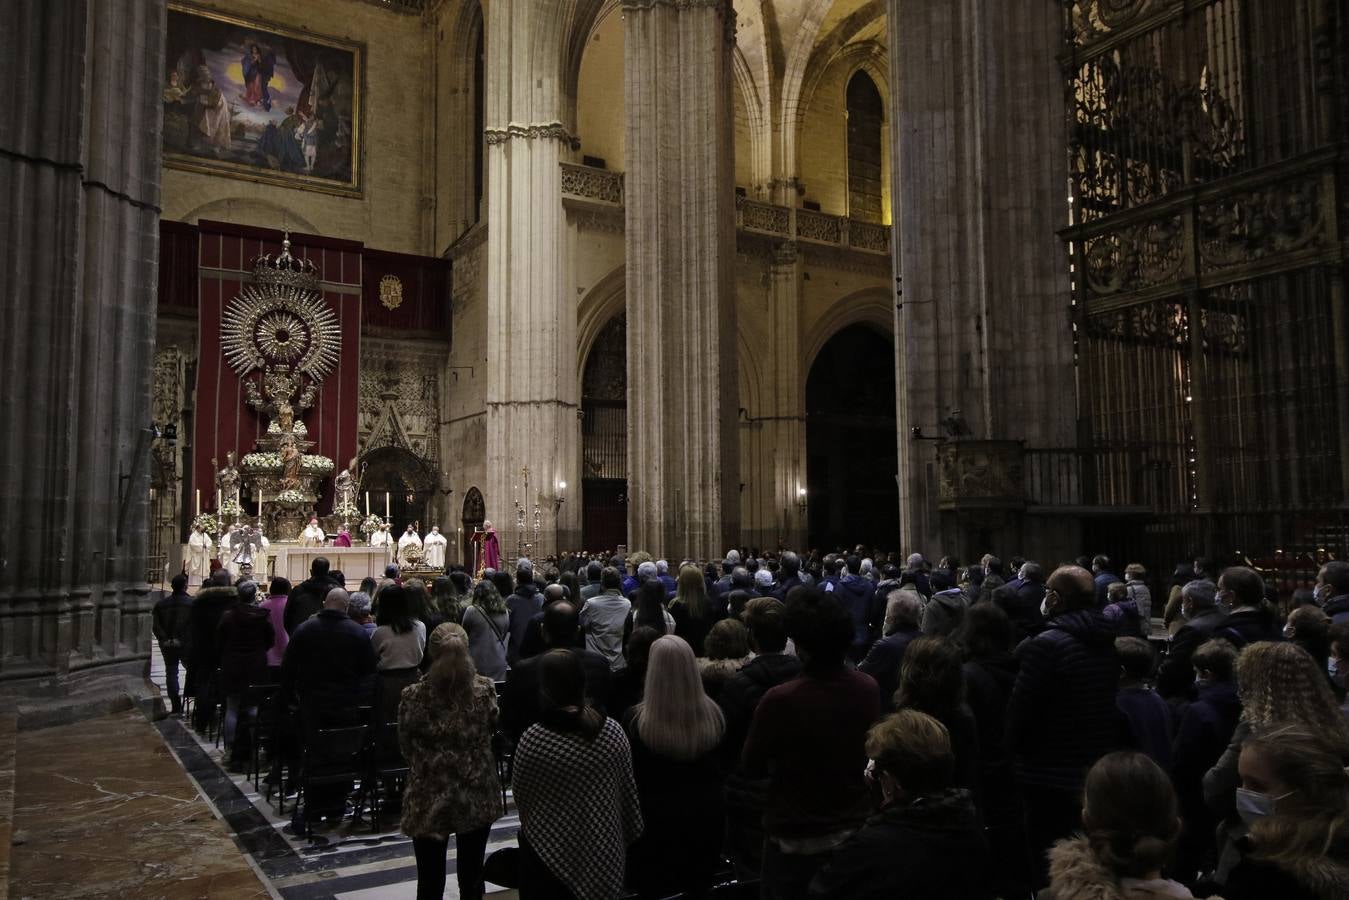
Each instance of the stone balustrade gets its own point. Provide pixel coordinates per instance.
(605, 187)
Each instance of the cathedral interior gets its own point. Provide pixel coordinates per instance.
(1025, 276)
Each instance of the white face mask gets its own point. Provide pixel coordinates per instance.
(1333, 668)
(1288, 632)
(1253, 805)
(1044, 608)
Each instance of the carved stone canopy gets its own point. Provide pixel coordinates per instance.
(980, 475)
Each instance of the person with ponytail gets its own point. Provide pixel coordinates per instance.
(1131, 825)
(1294, 798)
(445, 726)
(675, 733)
(574, 789)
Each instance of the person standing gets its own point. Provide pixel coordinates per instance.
(808, 738)
(245, 637)
(488, 626)
(445, 726)
(209, 606)
(172, 622)
(603, 618)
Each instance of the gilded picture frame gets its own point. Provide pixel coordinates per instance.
(262, 102)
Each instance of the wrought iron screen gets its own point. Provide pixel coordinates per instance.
(1208, 292)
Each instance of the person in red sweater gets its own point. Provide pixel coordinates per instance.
(808, 736)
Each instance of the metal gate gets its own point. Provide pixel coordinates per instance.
(604, 441)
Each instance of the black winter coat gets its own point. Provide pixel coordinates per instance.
(929, 849)
(741, 694)
(1175, 677)
(1062, 715)
(207, 610)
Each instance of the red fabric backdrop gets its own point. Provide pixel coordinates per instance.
(223, 419)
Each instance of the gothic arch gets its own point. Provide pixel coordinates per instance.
(474, 510)
(250, 211)
(468, 32)
(869, 306)
(605, 299)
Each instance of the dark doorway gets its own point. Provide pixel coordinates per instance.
(475, 513)
(851, 451)
(604, 440)
(407, 481)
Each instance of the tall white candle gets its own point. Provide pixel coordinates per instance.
(386, 506)
(367, 504)
(198, 501)
(218, 504)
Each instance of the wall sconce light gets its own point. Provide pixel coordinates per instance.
(560, 498)
(801, 497)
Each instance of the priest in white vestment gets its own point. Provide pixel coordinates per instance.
(313, 534)
(261, 574)
(434, 549)
(410, 538)
(227, 553)
(199, 547)
(380, 537)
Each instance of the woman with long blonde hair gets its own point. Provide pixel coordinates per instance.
(675, 732)
(692, 609)
(445, 726)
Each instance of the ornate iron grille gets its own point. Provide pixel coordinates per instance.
(1208, 282)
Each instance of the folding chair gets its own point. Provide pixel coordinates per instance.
(331, 756)
(386, 766)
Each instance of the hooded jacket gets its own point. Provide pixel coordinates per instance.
(944, 612)
(856, 593)
(933, 847)
(1062, 716)
(1075, 873)
(1338, 609)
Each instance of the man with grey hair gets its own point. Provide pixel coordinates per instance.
(328, 658)
(903, 613)
(916, 566)
(1203, 617)
(646, 571)
(663, 573)
(523, 605)
(790, 576)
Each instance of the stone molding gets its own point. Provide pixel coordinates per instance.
(546, 130)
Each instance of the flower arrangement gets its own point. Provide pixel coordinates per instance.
(207, 523)
(261, 461)
(313, 464)
(349, 511)
(371, 525)
(297, 427)
(231, 509)
(291, 496)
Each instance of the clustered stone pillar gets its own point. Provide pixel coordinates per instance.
(981, 188)
(79, 170)
(683, 460)
(532, 390)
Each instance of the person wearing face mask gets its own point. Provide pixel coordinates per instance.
(926, 840)
(1280, 685)
(1332, 591)
(1293, 796)
(1199, 607)
(1309, 628)
(1062, 717)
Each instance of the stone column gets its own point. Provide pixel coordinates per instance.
(680, 194)
(980, 175)
(532, 391)
(79, 165)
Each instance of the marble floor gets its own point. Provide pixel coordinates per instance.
(350, 863)
(102, 809)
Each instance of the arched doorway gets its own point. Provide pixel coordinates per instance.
(475, 513)
(851, 452)
(405, 478)
(604, 440)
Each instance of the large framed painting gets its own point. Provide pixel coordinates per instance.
(261, 102)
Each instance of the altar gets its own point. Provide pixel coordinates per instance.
(292, 562)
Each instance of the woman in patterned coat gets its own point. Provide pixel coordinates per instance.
(445, 727)
(574, 787)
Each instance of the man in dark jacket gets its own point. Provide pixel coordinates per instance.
(808, 737)
(946, 610)
(1102, 577)
(592, 587)
(560, 630)
(1251, 618)
(172, 621)
(903, 612)
(769, 668)
(1332, 591)
(855, 592)
(927, 840)
(789, 576)
(326, 664)
(207, 609)
(523, 604)
(1021, 599)
(1061, 717)
(1199, 608)
(307, 598)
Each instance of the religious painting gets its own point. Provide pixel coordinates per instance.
(261, 102)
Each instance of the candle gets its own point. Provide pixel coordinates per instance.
(217, 500)
(198, 501)
(386, 507)
(367, 504)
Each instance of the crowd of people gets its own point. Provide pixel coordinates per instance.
(847, 725)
